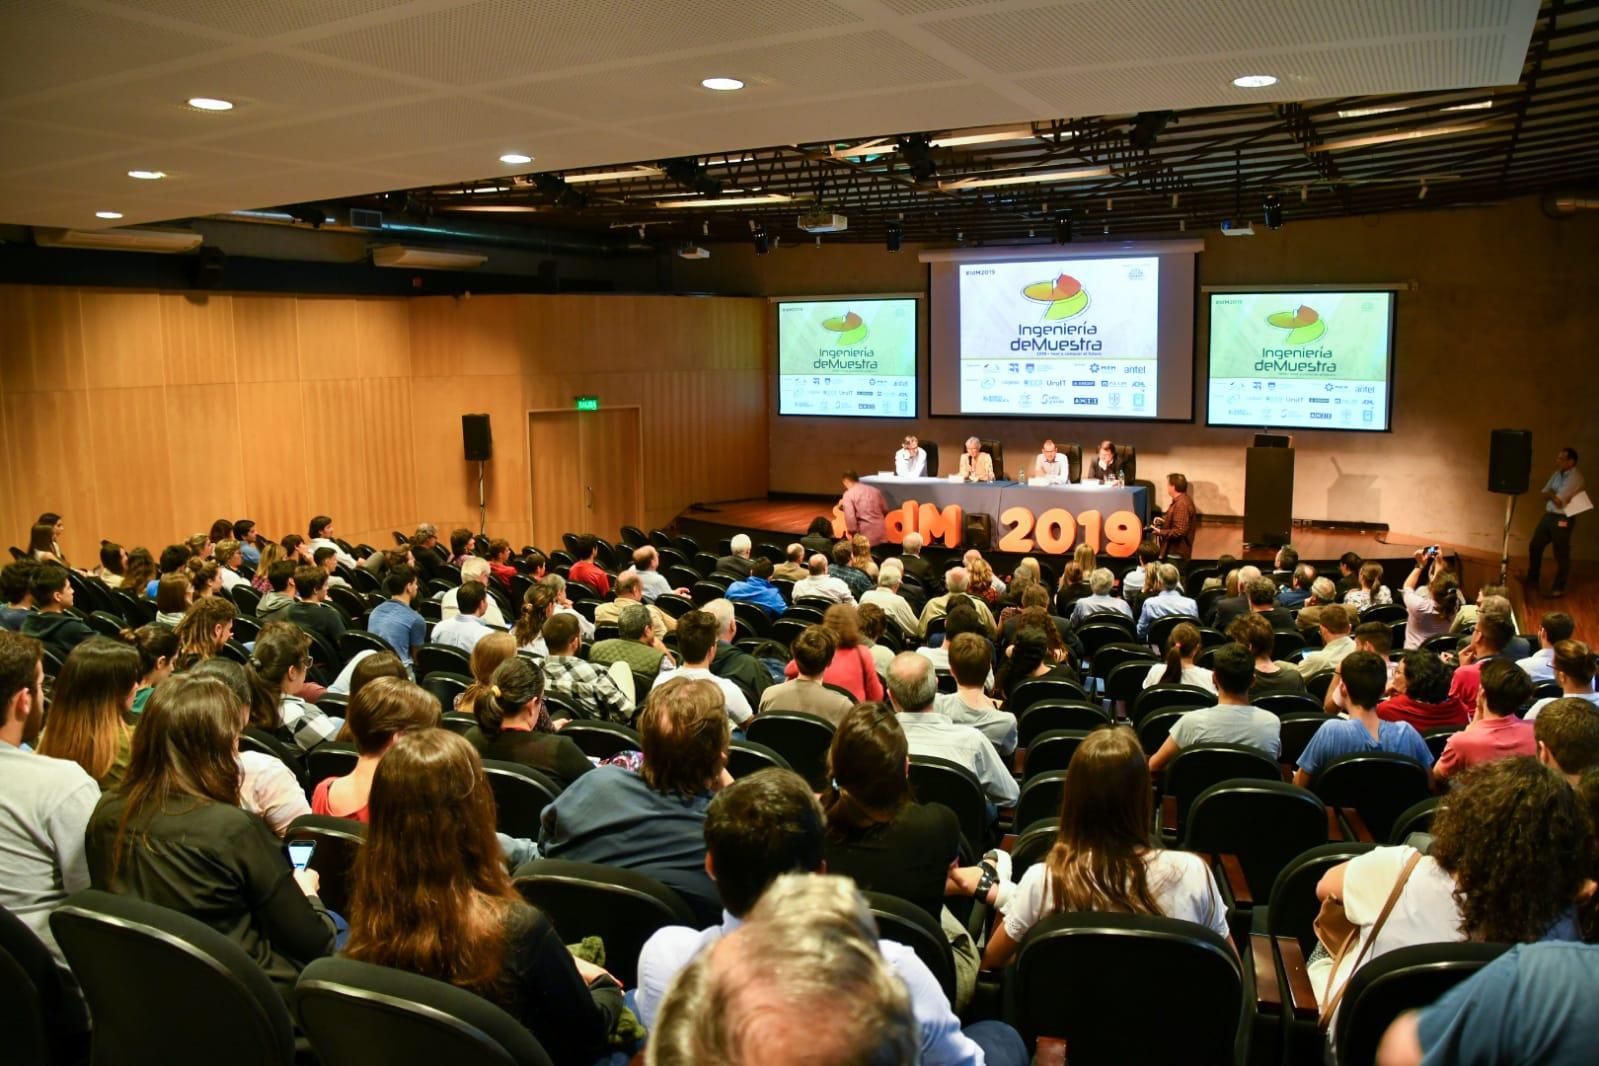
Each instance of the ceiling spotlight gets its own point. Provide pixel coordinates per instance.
(147, 175)
(1272, 208)
(1254, 81)
(210, 103)
(108, 214)
(893, 235)
(723, 85)
(914, 149)
(763, 243)
(515, 159)
(1063, 227)
(1147, 126)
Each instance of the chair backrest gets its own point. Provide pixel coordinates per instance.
(355, 641)
(446, 685)
(621, 907)
(42, 1013)
(1031, 846)
(1040, 798)
(1124, 682)
(1039, 689)
(745, 757)
(931, 448)
(1067, 961)
(356, 1013)
(1265, 823)
(332, 759)
(1049, 715)
(1378, 784)
(1114, 652)
(1156, 727)
(1102, 629)
(520, 796)
(431, 657)
(996, 452)
(1285, 642)
(1385, 612)
(456, 722)
(1160, 629)
(601, 739)
(150, 973)
(256, 739)
(935, 780)
(1282, 704)
(1292, 907)
(338, 842)
(803, 739)
(1198, 767)
(1397, 981)
(1166, 697)
(1437, 738)
(1417, 818)
(906, 923)
(1051, 751)
(1295, 733)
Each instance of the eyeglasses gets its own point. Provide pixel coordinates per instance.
(306, 662)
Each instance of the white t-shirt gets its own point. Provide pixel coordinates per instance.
(1179, 880)
(1192, 675)
(1424, 914)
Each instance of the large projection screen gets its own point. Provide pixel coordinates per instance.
(1095, 331)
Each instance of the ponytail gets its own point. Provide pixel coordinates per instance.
(535, 608)
(1184, 643)
(1371, 574)
(517, 682)
(1174, 665)
(279, 647)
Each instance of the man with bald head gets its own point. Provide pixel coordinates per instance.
(818, 584)
(1051, 464)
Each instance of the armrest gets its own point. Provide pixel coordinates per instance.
(1007, 842)
(1335, 830)
(1300, 992)
(1051, 1051)
(1168, 815)
(1357, 824)
(1268, 990)
(1237, 883)
(1018, 760)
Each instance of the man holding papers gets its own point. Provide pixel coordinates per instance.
(1565, 501)
(910, 460)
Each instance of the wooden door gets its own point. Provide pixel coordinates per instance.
(584, 469)
(554, 460)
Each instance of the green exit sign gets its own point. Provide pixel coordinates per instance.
(587, 403)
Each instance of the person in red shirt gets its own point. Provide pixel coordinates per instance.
(500, 567)
(1495, 732)
(1488, 641)
(1421, 694)
(1174, 531)
(586, 569)
(379, 712)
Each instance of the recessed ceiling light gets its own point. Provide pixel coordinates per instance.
(516, 159)
(108, 214)
(210, 103)
(723, 85)
(1255, 81)
(147, 175)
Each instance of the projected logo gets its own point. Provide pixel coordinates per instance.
(1303, 325)
(850, 327)
(1065, 296)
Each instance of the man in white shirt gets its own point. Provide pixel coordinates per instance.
(821, 585)
(466, 627)
(474, 569)
(1052, 465)
(1554, 528)
(697, 633)
(912, 687)
(45, 803)
(647, 561)
(910, 460)
(886, 595)
(1574, 672)
(1234, 720)
(322, 537)
(1553, 627)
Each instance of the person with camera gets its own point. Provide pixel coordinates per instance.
(1432, 608)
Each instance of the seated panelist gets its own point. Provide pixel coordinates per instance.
(1105, 465)
(976, 464)
(1052, 465)
(910, 460)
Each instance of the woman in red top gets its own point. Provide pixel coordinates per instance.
(500, 562)
(1421, 694)
(852, 668)
(380, 712)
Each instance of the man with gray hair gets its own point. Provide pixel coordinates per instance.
(637, 643)
(474, 569)
(1165, 599)
(818, 584)
(1228, 608)
(887, 596)
(733, 663)
(425, 551)
(911, 559)
(912, 687)
(956, 581)
(737, 561)
(1100, 601)
(793, 567)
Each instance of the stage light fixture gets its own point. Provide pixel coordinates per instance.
(1147, 126)
(915, 149)
(556, 189)
(763, 243)
(895, 233)
(691, 175)
(1063, 227)
(1272, 209)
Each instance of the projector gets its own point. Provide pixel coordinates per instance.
(823, 222)
(693, 251)
(1229, 228)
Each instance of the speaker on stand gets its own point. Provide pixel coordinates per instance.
(478, 443)
(1509, 471)
(1269, 491)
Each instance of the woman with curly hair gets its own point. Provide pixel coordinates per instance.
(860, 555)
(1512, 848)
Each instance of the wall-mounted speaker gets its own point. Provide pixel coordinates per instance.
(1509, 461)
(476, 439)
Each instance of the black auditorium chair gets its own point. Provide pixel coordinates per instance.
(910, 925)
(1040, 799)
(1050, 715)
(1378, 784)
(803, 739)
(42, 1013)
(1196, 768)
(338, 842)
(520, 796)
(936, 780)
(745, 757)
(1397, 981)
(600, 739)
(1051, 751)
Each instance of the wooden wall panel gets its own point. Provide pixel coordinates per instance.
(335, 453)
(197, 329)
(133, 487)
(326, 339)
(51, 456)
(382, 339)
(388, 428)
(266, 338)
(206, 455)
(47, 347)
(277, 493)
(122, 337)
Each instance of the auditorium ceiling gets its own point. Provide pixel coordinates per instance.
(975, 120)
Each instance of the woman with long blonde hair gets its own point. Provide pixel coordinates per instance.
(87, 721)
(271, 553)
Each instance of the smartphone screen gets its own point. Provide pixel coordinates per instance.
(300, 852)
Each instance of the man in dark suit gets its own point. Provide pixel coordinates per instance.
(1104, 464)
(1227, 608)
(425, 551)
(737, 562)
(916, 566)
(1262, 594)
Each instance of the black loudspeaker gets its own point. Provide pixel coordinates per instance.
(209, 266)
(977, 531)
(1509, 461)
(1268, 496)
(476, 439)
(1273, 440)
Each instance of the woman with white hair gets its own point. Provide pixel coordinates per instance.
(976, 464)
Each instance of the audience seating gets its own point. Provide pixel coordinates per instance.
(256, 739)
(42, 1014)
(1282, 704)
(600, 739)
(1078, 977)
(803, 739)
(520, 796)
(1052, 750)
(1395, 982)
(333, 758)
(1032, 846)
(1377, 784)
(431, 657)
(1252, 829)
(633, 537)
(338, 842)
(1287, 644)
(1417, 818)
(1049, 715)
(621, 907)
(1108, 656)
(1040, 799)
(1043, 688)
(1156, 727)
(355, 641)
(1296, 730)
(1438, 737)
(935, 780)
(142, 967)
(745, 757)
(1160, 629)
(1196, 768)
(905, 923)
(1102, 629)
(456, 722)
(1124, 682)
(446, 685)
(1170, 697)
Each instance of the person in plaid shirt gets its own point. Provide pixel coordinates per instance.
(278, 666)
(579, 684)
